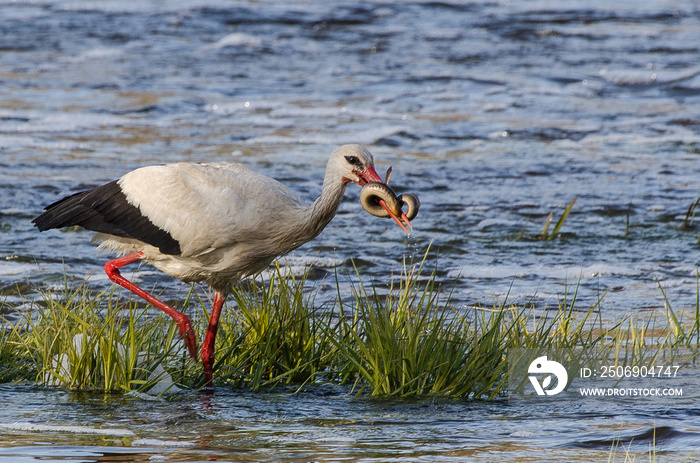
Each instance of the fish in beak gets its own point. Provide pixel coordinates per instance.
(379, 199)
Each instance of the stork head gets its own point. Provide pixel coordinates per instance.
(354, 163)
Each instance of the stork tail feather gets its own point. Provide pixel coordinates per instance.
(105, 209)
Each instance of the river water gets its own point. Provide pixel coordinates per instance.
(495, 113)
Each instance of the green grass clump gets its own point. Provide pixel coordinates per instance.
(546, 235)
(409, 343)
(94, 342)
(403, 339)
(274, 335)
(15, 363)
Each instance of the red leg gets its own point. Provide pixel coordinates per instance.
(182, 320)
(208, 344)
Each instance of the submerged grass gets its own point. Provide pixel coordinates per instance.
(404, 339)
(409, 342)
(275, 335)
(90, 341)
(546, 235)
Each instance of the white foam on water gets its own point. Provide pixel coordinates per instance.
(226, 108)
(310, 261)
(9, 141)
(363, 137)
(525, 434)
(636, 77)
(331, 111)
(143, 396)
(96, 54)
(162, 443)
(67, 122)
(234, 40)
(33, 427)
(570, 272)
(10, 268)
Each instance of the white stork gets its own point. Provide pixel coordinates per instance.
(215, 223)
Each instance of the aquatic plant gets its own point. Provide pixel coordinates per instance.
(275, 335)
(410, 343)
(90, 341)
(545, 235)
(690, 216)
(15, 364)
(625, 453)
(401, 339)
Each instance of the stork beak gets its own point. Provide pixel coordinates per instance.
(371, 175)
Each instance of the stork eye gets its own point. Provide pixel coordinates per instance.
(353, 160)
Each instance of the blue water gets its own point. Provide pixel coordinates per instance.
(328, 424)
(495, 113)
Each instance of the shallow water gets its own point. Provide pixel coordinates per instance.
(325, 425)
(494, 113)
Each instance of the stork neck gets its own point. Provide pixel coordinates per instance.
(322, 211)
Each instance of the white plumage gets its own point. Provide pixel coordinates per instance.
(230, 221)
(207, 222)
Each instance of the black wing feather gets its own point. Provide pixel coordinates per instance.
(106, 210)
